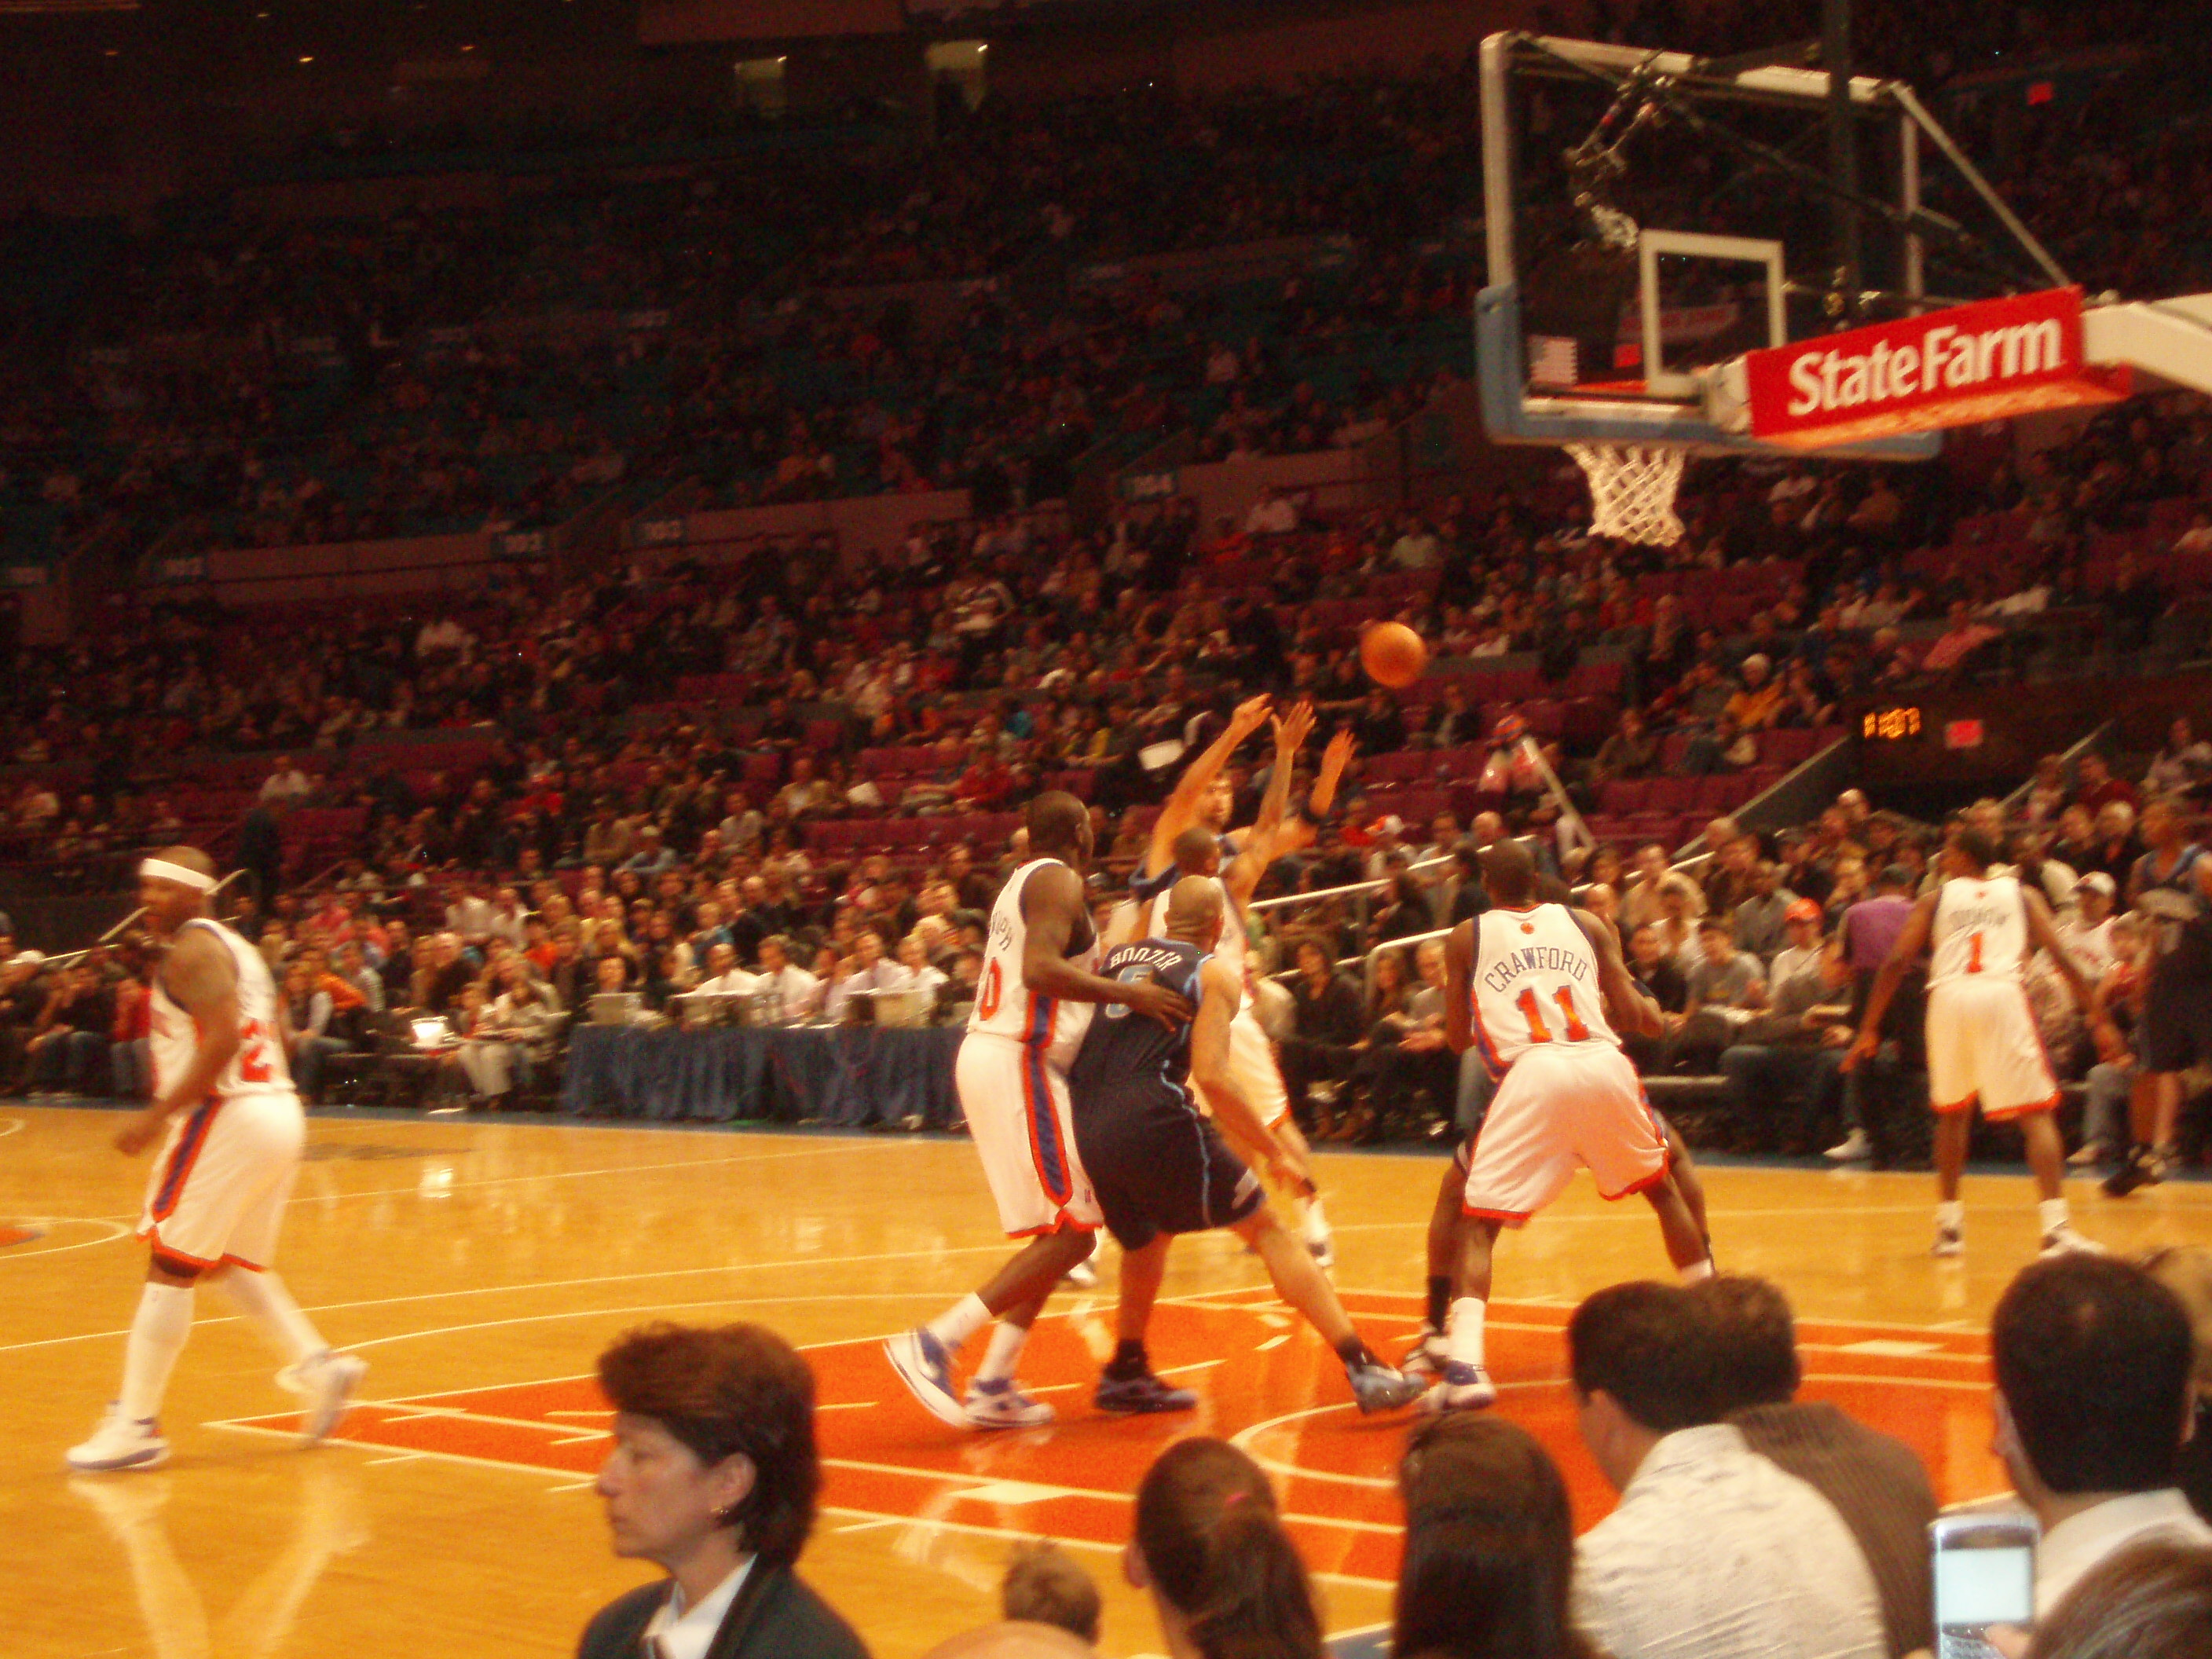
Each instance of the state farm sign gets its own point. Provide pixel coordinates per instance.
(1985, 361)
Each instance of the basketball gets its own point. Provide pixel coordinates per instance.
(1392, 654)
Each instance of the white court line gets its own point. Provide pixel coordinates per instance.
(10, 1126)
(415, 1191)
(565, 1284)
(16, 1254)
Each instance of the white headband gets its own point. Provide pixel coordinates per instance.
(161, 871)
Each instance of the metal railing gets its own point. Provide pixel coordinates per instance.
(68, 957)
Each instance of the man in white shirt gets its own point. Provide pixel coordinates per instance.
(2093, 1358)
(469, 913)
(724, 978)
(1714, 1553)
(285, 786)
(799, 992)
(875, 972)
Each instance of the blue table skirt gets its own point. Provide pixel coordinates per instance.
(853, 1075)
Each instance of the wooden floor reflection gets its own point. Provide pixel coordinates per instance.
(480, 1266)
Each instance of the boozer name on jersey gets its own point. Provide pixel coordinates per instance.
(1536, 984)
(1141, 1056)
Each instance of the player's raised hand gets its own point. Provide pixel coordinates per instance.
(1292, 730)
(1338, 756)
(1154, 1001)
(1251, 715)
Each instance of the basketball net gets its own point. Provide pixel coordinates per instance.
(1632, 490)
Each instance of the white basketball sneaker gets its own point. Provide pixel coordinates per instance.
(1460, 1387)
(121, 1443)
(2063, 1240)
(1083, 1275)
(1002, 1405)
(326, 1381)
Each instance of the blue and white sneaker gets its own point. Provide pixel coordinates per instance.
(923, 1366)
(1379, 1388)
(1461, 1387)
(1002, 1405)
(121, 1443)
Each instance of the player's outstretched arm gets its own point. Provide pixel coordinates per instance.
(1909, 944)
(202, 980)
(1052, 903)
(1459, 988)
(1220, 994)
(2041, 931)
(1628, 1005)
(1242, 876)
(1182, 807)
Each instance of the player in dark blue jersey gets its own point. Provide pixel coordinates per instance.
(1158, 1166)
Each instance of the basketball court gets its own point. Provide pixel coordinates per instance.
(481, 1266)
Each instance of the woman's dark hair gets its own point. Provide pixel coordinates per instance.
(1217, 1553)
(1391, 999)
(733, 1391)
(1490, 1546)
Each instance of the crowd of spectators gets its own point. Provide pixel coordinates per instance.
(722, 320)
(791, 723)
(1750, 1523)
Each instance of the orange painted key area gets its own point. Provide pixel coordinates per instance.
(1265, 1382)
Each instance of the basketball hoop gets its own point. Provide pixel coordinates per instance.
(1632, 490)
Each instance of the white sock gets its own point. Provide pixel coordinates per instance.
(1316, 1223)
(1696, 1271)
(960, 1322)
(1004, 1353)
(262, 1298)
(1463, 1331)
(1952, 1214)
(2052, 1212)
(164, 1319)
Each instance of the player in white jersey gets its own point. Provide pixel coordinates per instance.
(1982, 1046)
(1532, 985)
(216, 1199)
(1033, 1004)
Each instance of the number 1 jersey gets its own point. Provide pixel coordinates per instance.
(1535, 982)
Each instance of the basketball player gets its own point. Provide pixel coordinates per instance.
(216, 1196)
(1191, 837)
(1532, 985)
(1448, 1215)
(1159, 1166)
(1981, 1040)
(1033, 1004)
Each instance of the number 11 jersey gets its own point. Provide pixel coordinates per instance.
(1535, 982)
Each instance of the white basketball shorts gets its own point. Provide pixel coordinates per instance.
(1252, 1065)
(1017, 1106)
(217, 1192)
(1563, 1104)
(1982, 1046)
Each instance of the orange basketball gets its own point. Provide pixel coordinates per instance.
(1392, 654)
